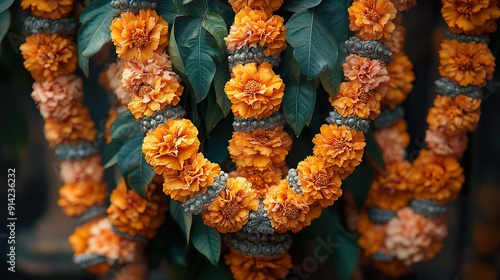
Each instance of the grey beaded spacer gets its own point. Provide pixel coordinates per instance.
(353, 122)
(137, 238)
(389, 117)
(467, 38)
(293, 180)
(253, 244)
(34, 25)
(380, 256)
(428, 208)
(251, 124)
(91, 213)
(160, 117)
(445, 86)
(258, 221)
(380, 216)
(122, 6)
(78, 152)
(89, 259)
(196, 204)
(371, 49)
(251, 54)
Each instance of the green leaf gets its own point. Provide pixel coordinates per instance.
(330, 80)
(345, 259)
(373, 150)
(298, 102)
(94, 32)
(133, 166)
(125, 126)
(314, 48)
(220, 79)
(335, 18)
(5, 4)
(183, 219)
(359, 183)
(214, 113)
(110, 153)
(223, 9)
(167, 10)
(206, 240)
(4, 23)
(173, 50)
(299, 5)
(215, 25)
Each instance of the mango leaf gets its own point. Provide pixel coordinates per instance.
(335, 17)
(215, 25)
(299, 5)
(133, 166)
(173, 50)
(223, 9)
(190, 7)
(314, 48)
(5, 19)
(373, 150)
(330, 80)
(167, 10)
(94, 31)
(220, 79)
(183, 219)
(5, 4)
(125, 126)
(206, 240)
(110, 153)
(214, 113)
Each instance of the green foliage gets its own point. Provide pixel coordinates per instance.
(94, 31)
(206, 240)
(359, 183)
(299, 5)
(4, 23)
(216, 26)
(373, 150)
(214, 113)
(220, 79)
(346, 259)
(5, 4)
(183, 219)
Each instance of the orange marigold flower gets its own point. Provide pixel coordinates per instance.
(456, 115)
(393, 141)
(138, 36)
(266, 5)
(260, 148)
(394, 268)
(397, 40)
(76, 128)
(404, 5)
(372, 19)
(372, 235)
(78, 239)
(53, 9)
(196, 175)
(131, 214)
(370, 73)
(288, 210)
(111, 79)
(76, 198)
(48, 56)
(318, 181)
(441, 143)
(466, 63)
(170, 145)
(262, 180)
(435, 177)
(254, 91)
(246, 267)
(230, 210)
(252, 28)
(107, 126)
(400, 83)
(88, 169)
(353, 100)
(468, 14)
(340, 146)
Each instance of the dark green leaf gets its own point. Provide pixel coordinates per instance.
(335, 18)
(359, 183)
(314, 47)
(345, 259)
(5, 4)
(373, 149)
(223, 9)
(125, 126)
(330, 80)
(183, 219)
(220, 79)
(206, 240)
(173, 50)
(215, 25)
(4, 23)
(214, 113)
(190, 7)
(167, 10)
(299, 5)
(298, 102)
(110, 153)
(94, 32)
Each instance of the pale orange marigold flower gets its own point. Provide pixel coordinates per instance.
(196, 175)
(262, 180)
(111, 80)
(456, 115)
(254, 91)
(397, 40)
(372, 235)
(138, 36)
(341, 147)
(466, 63)
(246, 267)
(229, 211)
(260, 148)
(435, 177)
(393, 141)
(468, 14)
(53, 9)
(88, 169)
(440, 143)
(288, 210)
(352, 100)
(76, 198)
(48, 56)
(170, 145)
(252, 28)
(372, 19)
(266, 5)
(78, 239)
(370, 73)
(400, 83)
(318, 182)
(404, 5)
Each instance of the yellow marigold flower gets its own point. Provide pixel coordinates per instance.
(252, 28)
(170, 145)
(393, 141)
(318, 181)
(246, 267)
(456, 115)
(372, 19)
(469, 14)
(466, 63)
(341, 147)
(262, 180)
(196, 175)
(372, 235)
(138, 36)
(266, 5)
(400, 83)
(435, 177)
(76, 198)
(369, 73)
(260, 148)
(48, 56)
(288, 210)
(254, 91)
(230, 210)
(53, 9)
(353, 100)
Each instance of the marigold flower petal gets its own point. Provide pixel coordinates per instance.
(372, 19)
(246, 267)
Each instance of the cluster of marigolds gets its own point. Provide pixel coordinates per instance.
(402, 222)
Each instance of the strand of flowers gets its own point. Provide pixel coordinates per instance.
(416, 233)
